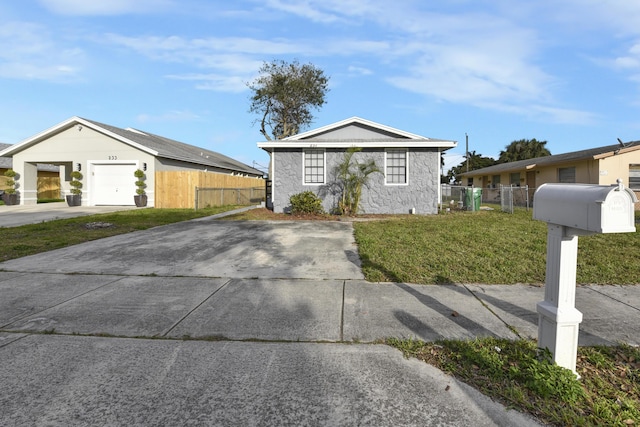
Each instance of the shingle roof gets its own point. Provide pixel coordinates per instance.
(176, 150)
(5, 162)
(591, 153)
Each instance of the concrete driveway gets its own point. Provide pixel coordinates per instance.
(210, 248)
(264, 307)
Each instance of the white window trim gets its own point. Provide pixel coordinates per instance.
(406, 169)
(324, 167)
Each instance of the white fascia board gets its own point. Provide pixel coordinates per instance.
(373, 144)
(67, 124)
(30, 141)
(351, 120)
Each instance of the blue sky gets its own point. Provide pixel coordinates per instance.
(564, 71)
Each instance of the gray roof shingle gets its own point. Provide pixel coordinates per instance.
(550, 160)
(176, 150)
(5, 162)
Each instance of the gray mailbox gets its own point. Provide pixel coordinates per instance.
(595, 208)
(572, 210)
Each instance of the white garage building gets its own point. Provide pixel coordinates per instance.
(107, 157)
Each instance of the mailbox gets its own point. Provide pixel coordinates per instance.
(593, 208)
(572, 210)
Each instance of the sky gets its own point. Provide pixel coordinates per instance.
(562, 71)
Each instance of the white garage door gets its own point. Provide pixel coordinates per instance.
(113, 184)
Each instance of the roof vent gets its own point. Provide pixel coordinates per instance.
(136, 131)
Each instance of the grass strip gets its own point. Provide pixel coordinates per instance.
(522, 376)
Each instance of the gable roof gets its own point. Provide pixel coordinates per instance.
(356, 132)
(588, 154)
(153, 144)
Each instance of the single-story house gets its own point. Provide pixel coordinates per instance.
(107, 157)
(410, 165)
(601, 165)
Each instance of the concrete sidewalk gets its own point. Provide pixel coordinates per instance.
(282, 331)
(297, 310)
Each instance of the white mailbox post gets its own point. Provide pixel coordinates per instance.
(573, 210)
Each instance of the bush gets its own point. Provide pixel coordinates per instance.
(306, 203)
(10, 183)
(75, 183)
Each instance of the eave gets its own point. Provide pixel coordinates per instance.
(401, 143)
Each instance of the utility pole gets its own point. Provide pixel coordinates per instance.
(467, 150)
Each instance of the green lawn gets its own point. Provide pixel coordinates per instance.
(484, 247)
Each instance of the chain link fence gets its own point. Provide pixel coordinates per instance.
(209, 197)
(454, 197)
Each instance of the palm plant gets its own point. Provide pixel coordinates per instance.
(352, 176)
(524, 149)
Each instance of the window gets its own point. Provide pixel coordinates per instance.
(495, 181)
(514, 179)
(567, 175)
(634, 177)
(314, 166)
(396, 166)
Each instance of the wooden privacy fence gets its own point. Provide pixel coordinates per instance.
(48, 186)
(177, 189)
(207, 197)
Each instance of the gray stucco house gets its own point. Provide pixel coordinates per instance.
(410, 182)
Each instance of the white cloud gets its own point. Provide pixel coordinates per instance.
(490, 59)
(31, 52)
(216, 82)
(303, 9)
(479, 67)
(230, 53)
(359, 71)
(104, 7)
(563, 115)
(630, 61)
(618, 18)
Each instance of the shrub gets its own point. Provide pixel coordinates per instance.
(306, 203)
(139, 173)
(76, 184)
(10, 182)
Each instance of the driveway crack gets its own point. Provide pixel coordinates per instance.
(164, 334)
(25, 315)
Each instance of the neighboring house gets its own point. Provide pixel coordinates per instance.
(410, 182)
(107, 156)
(602, 165)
